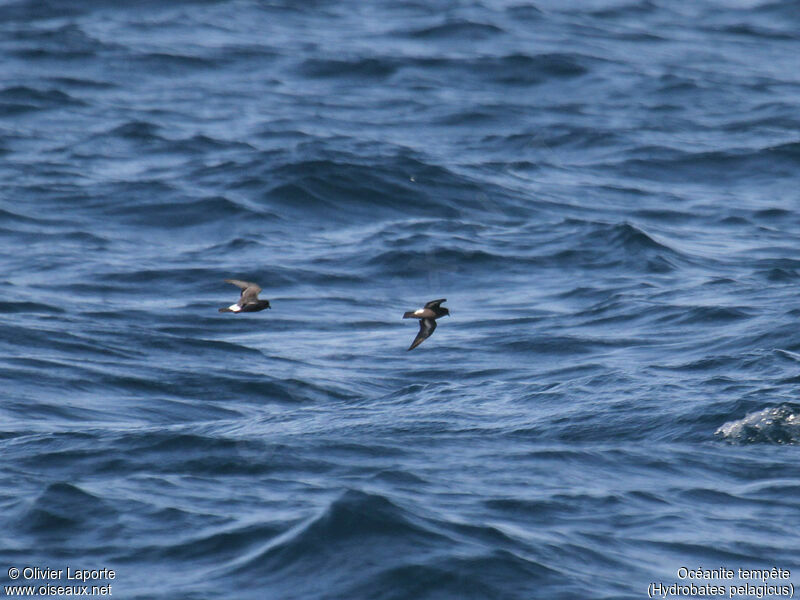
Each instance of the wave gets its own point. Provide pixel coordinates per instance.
(20, 98)
(79, 239)
(23, 219)
(464, 30)
(355, 68)
(26, 11)
(169, 451)
(226, 382)
(762, 163)
(477, 574)
(774, 425)
(511, 69)
(81, 83)
(188, 213)
(389, 548)
(166, 63)
(65, 42)
(636, 9)
(71, 344)
(409, 261)
(221, 546)
(756, 31)
(525, 11)
(568, 137)
(411, 250)
(557, 345)
(349, 187)
(66, 508)
(355, 518)
(29, 307)
(710, 315)
(152, 134)
(136, 130)
(600, 245)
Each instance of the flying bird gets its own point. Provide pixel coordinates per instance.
(248, 301)
(427, 320)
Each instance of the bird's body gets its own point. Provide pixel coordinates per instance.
(248, 301)
(427, 319)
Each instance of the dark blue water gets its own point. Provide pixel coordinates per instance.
(606, 193)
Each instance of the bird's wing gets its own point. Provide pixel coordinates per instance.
(243, 285)
(249, 295)
(435, 303)
(426, 327)
(249, 290)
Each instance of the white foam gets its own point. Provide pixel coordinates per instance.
(777, 425)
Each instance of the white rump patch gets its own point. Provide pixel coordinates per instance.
(235, 307)
(419, 311)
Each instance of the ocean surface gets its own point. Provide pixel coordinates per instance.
(605, 191)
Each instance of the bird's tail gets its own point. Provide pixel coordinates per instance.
(409, 315)
(225, 310)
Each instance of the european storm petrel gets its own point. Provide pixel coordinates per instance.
(427, 320)
(248, 301)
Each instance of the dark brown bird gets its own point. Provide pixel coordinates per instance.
(427, 320)
(248, 301)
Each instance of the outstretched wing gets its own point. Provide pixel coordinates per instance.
(435, 303)
(249, 290)
(426, 327)
(244, 285)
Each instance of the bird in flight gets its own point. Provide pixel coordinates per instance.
(248, 301)
(427, 319)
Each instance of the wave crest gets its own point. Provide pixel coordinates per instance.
(774, 425)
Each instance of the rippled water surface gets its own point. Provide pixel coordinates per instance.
(605, 192)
